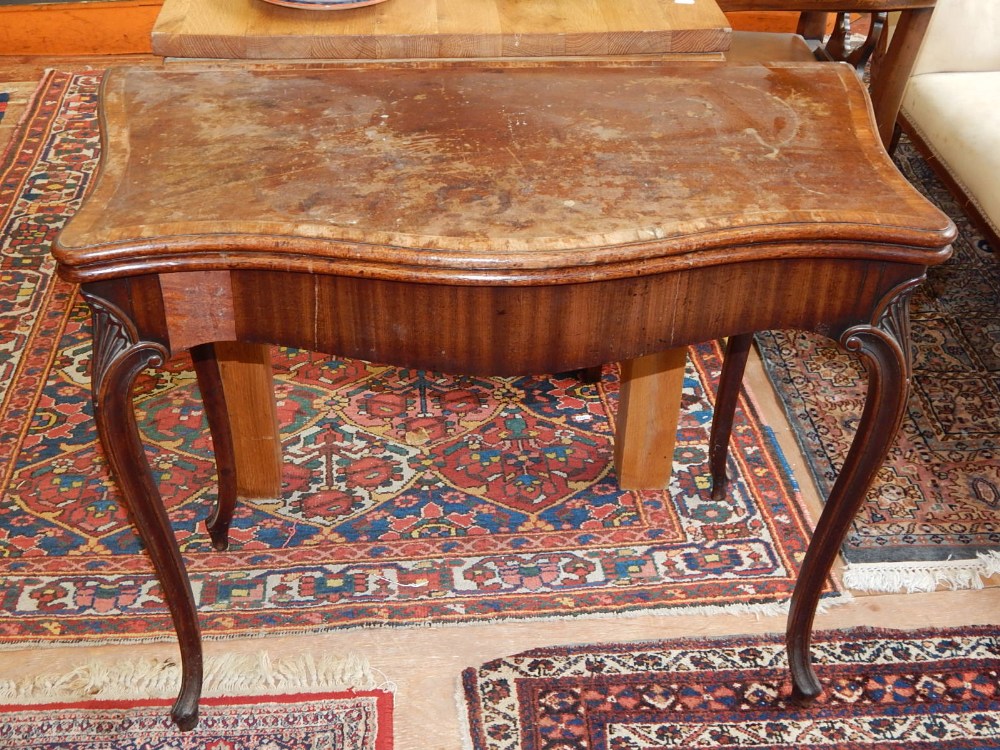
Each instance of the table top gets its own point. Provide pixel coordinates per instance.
(254, 29)
(445, 169)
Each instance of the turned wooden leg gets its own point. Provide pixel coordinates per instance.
(648, 411)
(884, 348)
(733, 367)
(119, 357)
(237, 388)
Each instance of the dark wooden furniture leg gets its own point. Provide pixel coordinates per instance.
(884, 348)
(236, 384)
(213, 395)
(119, 357)
(733, 366)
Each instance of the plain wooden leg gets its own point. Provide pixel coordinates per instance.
(118, 359)
(648, 411)
(248, 383)
(730, 382)
(884, 349)
(237, 387)
(892, 71)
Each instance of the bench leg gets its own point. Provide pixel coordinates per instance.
(648, 410)
(884, 349)
(237, 388)
(119, 357)
(733, 367)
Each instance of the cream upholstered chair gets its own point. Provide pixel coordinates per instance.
(951, 106)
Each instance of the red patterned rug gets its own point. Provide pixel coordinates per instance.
(337, 721)
(360, 721)
(883, 690)
(251, 702)
(933, 514)
(410, 497)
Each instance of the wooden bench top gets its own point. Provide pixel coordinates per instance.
(253, 29)
(498, 173)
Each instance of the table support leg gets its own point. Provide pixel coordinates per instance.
(237, 388)
(648, 409)
(119, 357)
(884, 349)
(733, 367)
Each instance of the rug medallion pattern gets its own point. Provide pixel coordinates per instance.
(938, 496)
(882, 690)
(410, 497)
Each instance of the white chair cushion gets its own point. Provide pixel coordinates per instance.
(964, 35)
(958, 117)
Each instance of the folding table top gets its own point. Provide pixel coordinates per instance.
(473, 170)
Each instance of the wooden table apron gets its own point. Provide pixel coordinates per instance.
(494, 221)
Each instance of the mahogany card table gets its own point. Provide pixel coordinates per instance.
(493, 219)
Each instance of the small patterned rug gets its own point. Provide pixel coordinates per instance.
(359, 721)
(933, 515)
(410, 497)
(251, 703)
(882, 690)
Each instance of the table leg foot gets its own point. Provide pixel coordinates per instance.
(184, 712)
(733, 367)
(119, 357)
(884, 349)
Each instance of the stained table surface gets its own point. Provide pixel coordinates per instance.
(471, 169)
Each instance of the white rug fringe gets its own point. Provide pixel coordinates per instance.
(227, 675)
(917, 577)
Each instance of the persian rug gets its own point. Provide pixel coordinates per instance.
(4, 100)
(410, 497)
(881, 690)
(95, 707)
(933, 514)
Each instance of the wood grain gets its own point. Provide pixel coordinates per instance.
(647, 427)
(251, 29)
(248, 380)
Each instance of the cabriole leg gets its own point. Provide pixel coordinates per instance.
(733, 367)
(119, 357)
(206, 366)
(884, 348)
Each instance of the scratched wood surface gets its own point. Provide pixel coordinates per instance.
(484, 172)
(253, 29)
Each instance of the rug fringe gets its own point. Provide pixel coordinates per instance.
(919, 577)
(227, 675)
